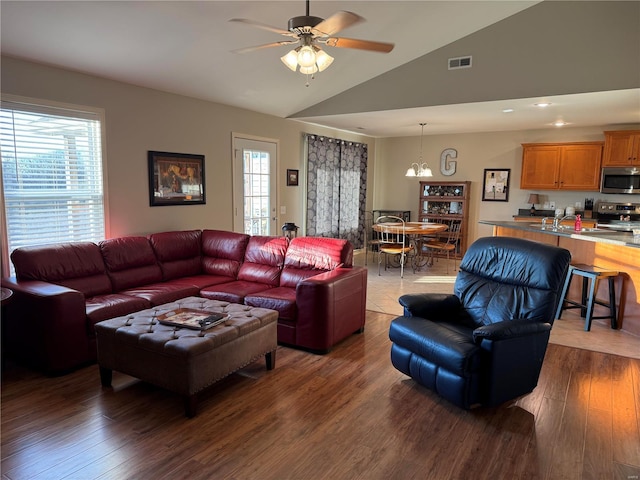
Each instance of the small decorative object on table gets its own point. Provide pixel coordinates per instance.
(191, 318)
(533, 199)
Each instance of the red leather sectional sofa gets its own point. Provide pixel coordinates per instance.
(61, 291)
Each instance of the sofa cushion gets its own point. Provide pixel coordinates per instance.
(162, 292)
(178, 253)
(203, 281)
(130, 262)
(223, 252)
(104, 307)
(449, 346)
(73, 265)
(282, 299)
(308, 256)
(263, 260)
(232, 292)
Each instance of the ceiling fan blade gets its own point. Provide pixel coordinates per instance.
(336, 22)
(263, 26)
(359, 44)
(267, 45)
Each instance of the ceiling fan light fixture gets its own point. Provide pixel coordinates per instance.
(307, 31)
(323, 60)
(291, 60)
(308, 70)
(306, 56)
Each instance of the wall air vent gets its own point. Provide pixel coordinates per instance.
(460, 62)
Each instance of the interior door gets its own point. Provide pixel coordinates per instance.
(254, 185)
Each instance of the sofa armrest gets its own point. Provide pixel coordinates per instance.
(509, 329)
(331, 306)
(433, 306)
(45, 325)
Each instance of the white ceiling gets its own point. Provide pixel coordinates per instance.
(184, 47)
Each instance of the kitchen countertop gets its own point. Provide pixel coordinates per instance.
(601, 236)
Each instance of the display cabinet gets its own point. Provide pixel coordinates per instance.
(445, 202)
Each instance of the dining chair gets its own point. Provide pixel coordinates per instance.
(392, 241)
(447, 246)
(371, 237)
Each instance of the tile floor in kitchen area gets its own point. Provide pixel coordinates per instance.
(383, 292)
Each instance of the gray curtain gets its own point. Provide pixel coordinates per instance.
(336, 188)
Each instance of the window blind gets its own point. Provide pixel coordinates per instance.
(51, 174)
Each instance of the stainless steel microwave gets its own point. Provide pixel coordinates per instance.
(620, 180)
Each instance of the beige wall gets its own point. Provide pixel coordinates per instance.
(140, 119)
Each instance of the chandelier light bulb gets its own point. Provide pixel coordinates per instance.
(306, 57)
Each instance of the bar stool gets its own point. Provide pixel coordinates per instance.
(595, 274)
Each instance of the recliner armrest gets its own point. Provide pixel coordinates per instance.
(430, 305)
(509, 329)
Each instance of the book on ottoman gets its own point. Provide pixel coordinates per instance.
(191, 318)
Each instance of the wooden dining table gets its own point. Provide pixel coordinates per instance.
(416, 233)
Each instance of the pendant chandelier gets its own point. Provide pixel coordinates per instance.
(419, 168)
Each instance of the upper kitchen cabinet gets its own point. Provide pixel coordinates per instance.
(561, 166)
(621, 148)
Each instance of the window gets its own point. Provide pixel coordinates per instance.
(254, 185)
(336, 188)
(256, 192)
(52, 176)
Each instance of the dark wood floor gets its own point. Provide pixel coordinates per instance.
(345, 415)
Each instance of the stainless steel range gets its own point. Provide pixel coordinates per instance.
(618, 216)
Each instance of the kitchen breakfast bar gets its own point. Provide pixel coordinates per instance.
(603, 248)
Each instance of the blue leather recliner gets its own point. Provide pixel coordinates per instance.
(485, 343)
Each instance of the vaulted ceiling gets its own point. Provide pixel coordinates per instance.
(583, 57)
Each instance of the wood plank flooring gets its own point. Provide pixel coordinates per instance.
(345, 415)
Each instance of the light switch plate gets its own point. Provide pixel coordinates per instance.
(552, 205)
(283, 210)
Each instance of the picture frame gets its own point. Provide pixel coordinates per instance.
(292, 177)
(176, 179)
(495, 187)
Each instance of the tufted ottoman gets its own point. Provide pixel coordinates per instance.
(182, 360)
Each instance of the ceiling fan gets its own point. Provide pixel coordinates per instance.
(308, 32)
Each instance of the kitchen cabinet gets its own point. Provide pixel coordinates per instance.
(621, 148)
(443, 202)
(561, 166)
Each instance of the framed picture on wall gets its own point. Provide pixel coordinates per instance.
(495, 187)
(175, 179)
(292, 178)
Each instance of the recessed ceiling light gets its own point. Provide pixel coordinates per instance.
(507, 110)
(542, 104)
(559, 123)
